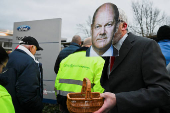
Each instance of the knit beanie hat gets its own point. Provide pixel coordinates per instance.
(163, 32)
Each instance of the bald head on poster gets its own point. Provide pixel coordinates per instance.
(104, 25)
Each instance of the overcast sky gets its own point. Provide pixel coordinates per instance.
(71, 12)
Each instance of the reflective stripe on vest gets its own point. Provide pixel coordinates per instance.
(71, 81)
(63, 93)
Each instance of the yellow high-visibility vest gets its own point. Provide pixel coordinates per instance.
(74, 68)
(6, 105)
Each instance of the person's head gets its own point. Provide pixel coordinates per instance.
(76, 39)
(104, 25)
(31, 44)
(3, 59)
(122, 30)
(163, 33)
(87, 42)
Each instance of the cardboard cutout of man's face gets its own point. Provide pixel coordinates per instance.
(103, 30)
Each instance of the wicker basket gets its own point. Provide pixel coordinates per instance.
(85, 101)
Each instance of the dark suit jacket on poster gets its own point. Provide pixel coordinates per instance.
(138, 77)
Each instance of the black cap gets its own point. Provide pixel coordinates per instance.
(163, 33)
(30, 41)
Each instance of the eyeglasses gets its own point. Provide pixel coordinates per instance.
(4, 69)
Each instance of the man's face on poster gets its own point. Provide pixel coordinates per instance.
(103, 28)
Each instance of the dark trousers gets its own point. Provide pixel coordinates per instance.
(61, 100)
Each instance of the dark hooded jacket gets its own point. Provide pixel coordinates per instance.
(24, 82)
(64, 53)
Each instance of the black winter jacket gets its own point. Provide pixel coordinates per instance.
(24, 83)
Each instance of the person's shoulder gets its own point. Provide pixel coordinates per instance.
(77, 54)
(74, 44)
(71, 47)
(96, 60)
(19, 53)
(140, 39)
(74, 47)
(64, 49)
(20, 57)
(74, 57)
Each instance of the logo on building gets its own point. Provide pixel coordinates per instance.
(45, 92)
(23, 28)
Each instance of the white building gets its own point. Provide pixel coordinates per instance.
(6, 42)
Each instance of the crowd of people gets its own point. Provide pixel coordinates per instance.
(131, 72)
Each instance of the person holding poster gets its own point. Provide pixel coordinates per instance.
(138, 81)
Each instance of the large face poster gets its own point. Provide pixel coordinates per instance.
(103, 28)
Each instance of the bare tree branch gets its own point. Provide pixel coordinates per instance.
(85, 28)
(146, 17)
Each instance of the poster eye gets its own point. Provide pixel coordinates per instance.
(97, 26)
